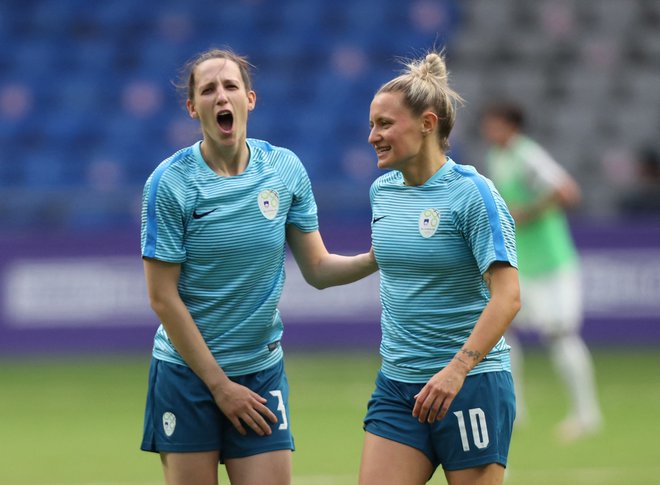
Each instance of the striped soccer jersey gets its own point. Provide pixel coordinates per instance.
(433, 243)
(228, 234)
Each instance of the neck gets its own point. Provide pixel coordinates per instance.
(227, 161)
(509, 139)
(421, 168)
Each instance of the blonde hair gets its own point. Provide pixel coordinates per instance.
(424, 85)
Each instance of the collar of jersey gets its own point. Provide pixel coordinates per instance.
(448, 165)
(197, 151)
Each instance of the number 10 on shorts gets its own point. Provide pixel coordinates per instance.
(478, 425)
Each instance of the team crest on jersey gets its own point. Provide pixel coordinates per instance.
(269, 203)
(429, 220)
(169, 423)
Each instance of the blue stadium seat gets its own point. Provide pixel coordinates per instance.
(76, 57)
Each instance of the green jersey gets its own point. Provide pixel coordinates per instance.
(523, 172)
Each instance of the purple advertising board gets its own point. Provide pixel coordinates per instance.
(86, 293)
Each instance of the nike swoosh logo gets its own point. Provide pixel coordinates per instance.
(376, 219)
(199, 215)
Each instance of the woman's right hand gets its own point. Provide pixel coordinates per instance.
(241, 405)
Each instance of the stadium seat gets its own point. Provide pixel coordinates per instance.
(318, 64)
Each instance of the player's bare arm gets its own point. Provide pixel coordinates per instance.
(434, 399)
(502, 280)
(322, 269)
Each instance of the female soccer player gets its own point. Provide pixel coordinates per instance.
(538, 190)
(215, 219)
(444, 243)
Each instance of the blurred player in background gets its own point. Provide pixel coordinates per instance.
(537, 190)
(215, 219)
(445, 244)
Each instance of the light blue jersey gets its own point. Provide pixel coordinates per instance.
(433, 243)
(228, 234)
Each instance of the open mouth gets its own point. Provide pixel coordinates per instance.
(382, 149)
(225, 120)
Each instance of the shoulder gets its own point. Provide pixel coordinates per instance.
(524, 142)
(468, 185)
(283, 162)
(170, 179)
(175, 167)
(388, 179)
(274, 155)
(538, 160)
(468, 177)
(532, 152)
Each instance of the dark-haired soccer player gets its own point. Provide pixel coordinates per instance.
(537, 190)
(215, 220)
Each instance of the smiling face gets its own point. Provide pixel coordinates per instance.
(221, 102)
(396, 134)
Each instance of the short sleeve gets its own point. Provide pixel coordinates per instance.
(163, 208)
(486, 224)
(303, 212)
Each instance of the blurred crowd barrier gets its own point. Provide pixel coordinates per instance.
(65, 293)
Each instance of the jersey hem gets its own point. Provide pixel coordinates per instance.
(266, 449)
(476, 462)
(154, 447)
(303, 228)
(165, 260)
(502, 366)
(266, 364)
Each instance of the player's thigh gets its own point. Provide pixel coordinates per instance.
(387, 462)
(492, 474)
(272, 468)
(476, 431)
(181, 415)
(273, 386)
(190, 468)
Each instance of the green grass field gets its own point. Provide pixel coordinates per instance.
(77, 421)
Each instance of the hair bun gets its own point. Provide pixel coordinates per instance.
(431, 67)
(435, 66)
(425, 85)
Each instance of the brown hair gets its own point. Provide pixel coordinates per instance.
(186, 83)
(508, 111)
(424, 84)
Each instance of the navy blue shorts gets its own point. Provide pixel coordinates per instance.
(475, 431)
(182, 416)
